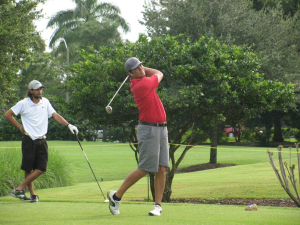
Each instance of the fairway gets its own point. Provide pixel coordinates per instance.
(251, 178)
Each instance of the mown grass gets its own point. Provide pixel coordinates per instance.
(136, 213)
(251, 178)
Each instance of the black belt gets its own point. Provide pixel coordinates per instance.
(153, 124)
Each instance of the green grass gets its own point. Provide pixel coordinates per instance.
(136, 213)
(82, 203)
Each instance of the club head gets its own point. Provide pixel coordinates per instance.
(108, 109)
(106, 200)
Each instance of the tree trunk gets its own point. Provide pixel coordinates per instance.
(104, 138)
(213, 146)
(151, 175)
(168, 187)
(277, 130)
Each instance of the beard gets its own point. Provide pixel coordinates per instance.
(37, 96)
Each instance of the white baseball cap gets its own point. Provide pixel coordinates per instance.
(35, 84)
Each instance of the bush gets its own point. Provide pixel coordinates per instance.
(59, 172)
(289, 132)
(8, 132)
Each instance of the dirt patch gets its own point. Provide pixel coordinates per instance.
(245, 202)
(205, 166)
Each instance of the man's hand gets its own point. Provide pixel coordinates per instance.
(73, 129)
(21, 128)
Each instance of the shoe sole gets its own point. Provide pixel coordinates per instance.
(29, 201)
(151, 214)
(25, 200)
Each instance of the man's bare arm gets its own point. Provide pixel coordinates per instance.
(151, 71)
(60, 119)
(9, 115)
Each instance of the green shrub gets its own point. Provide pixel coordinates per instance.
(8, 132)
(59, 172)
(289, 132)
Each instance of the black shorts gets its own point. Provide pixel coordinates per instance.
(35, 154)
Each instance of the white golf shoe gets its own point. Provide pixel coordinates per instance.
(113, 204)
(156, 211)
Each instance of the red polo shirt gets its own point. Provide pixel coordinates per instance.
(150, 107)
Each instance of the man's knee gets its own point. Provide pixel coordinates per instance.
(161, 169)
(38, 172)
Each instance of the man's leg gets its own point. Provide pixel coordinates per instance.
(115, 196)
(130, 180)
(159, 184)
(31, 176)
(30, 185)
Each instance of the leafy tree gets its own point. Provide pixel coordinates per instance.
(270, 32)
(18, 41)
(227, 75)
(233, 22)
(88, 24)
(290, 7)
(290, 12)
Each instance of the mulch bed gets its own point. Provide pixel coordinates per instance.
(245, 202)
(205, 166)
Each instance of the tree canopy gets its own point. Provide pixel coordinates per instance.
(269, 32)
(270, 27)
(18, 40)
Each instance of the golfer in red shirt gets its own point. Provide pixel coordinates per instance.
(152, 134)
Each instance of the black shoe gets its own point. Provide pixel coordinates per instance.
(26, 199)
(34, 198)
(18, 194)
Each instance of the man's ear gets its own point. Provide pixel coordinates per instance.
(130, 74)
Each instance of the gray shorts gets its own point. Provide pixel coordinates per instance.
(153, 147)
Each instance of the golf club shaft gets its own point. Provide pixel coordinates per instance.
(117, 91)
(90, 166)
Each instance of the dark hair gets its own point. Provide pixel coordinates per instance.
(29, 94)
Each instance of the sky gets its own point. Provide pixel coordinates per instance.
(130, 11)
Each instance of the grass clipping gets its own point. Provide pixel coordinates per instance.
(59, 171)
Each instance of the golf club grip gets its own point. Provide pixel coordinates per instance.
(117, 91)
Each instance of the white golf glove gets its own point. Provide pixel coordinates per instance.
(73, 129)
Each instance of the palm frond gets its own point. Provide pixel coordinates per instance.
(119, 20)
(108, 8)
(61, 31)
(112, 12)
(61, 18)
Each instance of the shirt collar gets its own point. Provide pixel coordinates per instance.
(31, 103)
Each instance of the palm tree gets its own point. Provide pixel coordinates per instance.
(88, 24)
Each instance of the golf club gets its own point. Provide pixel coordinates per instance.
(108, 107)
(105, 200)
